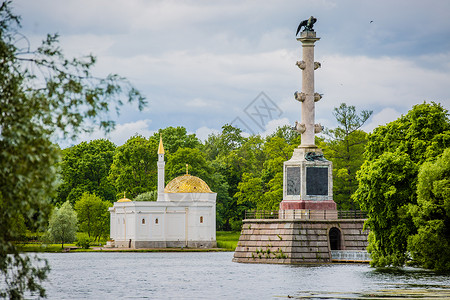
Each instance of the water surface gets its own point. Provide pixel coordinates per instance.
(185, 275)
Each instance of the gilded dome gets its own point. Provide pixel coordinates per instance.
(124, 199)
(187, 184)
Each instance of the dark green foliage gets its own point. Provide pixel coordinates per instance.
(42, 94)
(84, 242)
(388, 181)
(430, 246)
(93, 215)
(85, 168)
(384, 192)
(261, 186)
(175, 138)
(345, 148)
(134, 169)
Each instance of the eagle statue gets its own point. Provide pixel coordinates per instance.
(308, 24)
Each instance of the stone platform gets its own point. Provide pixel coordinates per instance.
(281, 241)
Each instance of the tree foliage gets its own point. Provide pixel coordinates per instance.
(388, 178)
(93, 215)
(62, 225)
(147, 196)
(134, 167)
(43, 94)
(85, 168)
(345, 148)
(430, 246)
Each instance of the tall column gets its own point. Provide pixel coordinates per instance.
(308, 38)
(161, 170)
(307, 176)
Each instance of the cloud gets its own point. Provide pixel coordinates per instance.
(201, 63)
(386, 115)
(121, 133)
(203, 133)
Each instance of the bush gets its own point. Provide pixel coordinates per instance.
(148, 196)
(84, 242)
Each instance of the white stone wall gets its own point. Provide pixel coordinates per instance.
(181, 219)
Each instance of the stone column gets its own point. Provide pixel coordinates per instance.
(307, 176)
(308, 38)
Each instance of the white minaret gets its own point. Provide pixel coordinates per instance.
(161, 168)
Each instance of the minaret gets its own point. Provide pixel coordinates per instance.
(307, 176)
(161, 168)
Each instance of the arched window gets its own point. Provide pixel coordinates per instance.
(143, 221)
(335, 238)
(201, 219)
(156, 221)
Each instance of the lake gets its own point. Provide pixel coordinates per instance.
(212, 275)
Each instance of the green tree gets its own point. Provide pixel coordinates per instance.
(430, 246)
(147, 196)
(93, 215)
(263, 188)
(43, 95)
(134, 167)
(388, 178)
(85, 168)
(175, 138)
(62, 225)
(345, 148)
(384, 192)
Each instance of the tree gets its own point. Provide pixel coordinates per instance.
(388, 178)
(147, 196)
(345, 148)
(263, 189)
(93, 215)
(175, 138)
(430, 246)
(85, 168)
(134, 167)
(384, 192)
(62, 226)
(43, 94)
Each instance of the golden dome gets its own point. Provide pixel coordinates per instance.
(124, 199)
(187, 184)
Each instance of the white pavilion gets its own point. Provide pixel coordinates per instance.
(184, 215)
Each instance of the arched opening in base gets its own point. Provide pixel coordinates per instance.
(334, 236)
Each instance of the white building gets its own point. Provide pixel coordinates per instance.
(184, 215)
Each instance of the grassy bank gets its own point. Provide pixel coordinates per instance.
(226, 240)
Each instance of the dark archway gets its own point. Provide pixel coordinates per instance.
(335, 238)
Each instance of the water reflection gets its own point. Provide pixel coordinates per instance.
(214, 276)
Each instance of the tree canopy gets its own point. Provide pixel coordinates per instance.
(345, 147)
(430, 246)
(93, 215)
(85, 168)
(43, 95)
(388, 179)
(62, 226)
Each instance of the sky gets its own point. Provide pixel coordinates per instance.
(204, 64)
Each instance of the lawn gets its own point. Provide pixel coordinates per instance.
(227, 239)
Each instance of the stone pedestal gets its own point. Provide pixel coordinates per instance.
(308, 181)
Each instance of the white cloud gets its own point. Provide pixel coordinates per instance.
(121, 133)
(203, 132)
(386, 115)
(272, 126)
